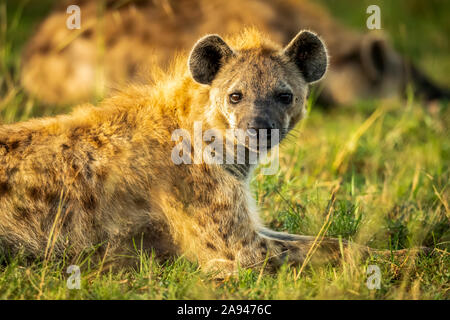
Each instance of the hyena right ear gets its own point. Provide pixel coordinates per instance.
(309, 54)
(206, 58)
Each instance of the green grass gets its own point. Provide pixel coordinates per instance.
(387, 161)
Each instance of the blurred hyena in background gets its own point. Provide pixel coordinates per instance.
(120, 40)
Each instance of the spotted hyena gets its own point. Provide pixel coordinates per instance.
(119, 41)
(105, 176)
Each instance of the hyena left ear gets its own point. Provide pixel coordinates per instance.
(206, 58)
(309, 54)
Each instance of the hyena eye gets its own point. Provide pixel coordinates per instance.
(235, 97)
(285, 98)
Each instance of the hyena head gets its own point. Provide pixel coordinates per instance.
(258, 86)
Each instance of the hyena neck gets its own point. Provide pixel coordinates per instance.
(238, 167)
(240, 171)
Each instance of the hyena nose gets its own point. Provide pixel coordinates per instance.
(260, 124)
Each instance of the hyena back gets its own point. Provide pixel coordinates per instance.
(104, 175)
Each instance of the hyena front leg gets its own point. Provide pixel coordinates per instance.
(254, 249)
(270, 250)
(228, 237)
(295, 249)
(223, 234)
(331, 249)
(325, 249)
(232, 243)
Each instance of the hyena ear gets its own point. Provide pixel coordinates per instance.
(309, 54)
(377, 57)
(206, 58)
